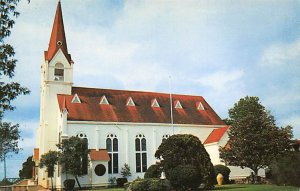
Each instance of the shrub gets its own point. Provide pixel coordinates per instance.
(150, 184)
(69, 184)
(121, 182)
(224, 170)
(154, 171)
(285, 170)
(184, 177)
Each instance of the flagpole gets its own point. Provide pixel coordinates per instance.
(171, 105)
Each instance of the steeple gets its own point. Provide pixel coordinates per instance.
(58, 38)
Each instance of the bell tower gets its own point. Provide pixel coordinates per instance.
(56, 78)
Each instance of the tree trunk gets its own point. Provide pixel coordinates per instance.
(78, 182)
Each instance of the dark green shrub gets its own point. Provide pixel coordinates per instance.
(285, 170)
(69, 184)
(184, 177)
(224, 170)
(126, 185)
(150, 184)
(154, 171)
(121, 182)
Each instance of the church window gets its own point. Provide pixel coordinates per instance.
(130, 102)
(104, 100)
(165, 137)
(59, 72)
(200, 106)
(84, 158)
(178, 104)
(76, 99)
(112, 148)
(141, 153)
(154, 103)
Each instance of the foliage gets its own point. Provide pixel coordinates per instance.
(224, 170)
(9, 90)
(285, 169)
(154, 171)
(125, 171)
(254, 139)
(112, 180)
(121, 181)
(5, 182)
(150, 184)
(27, 167)
(186, 150)
(9, 139)
(185, 177)
(69, 184)
(49, 160)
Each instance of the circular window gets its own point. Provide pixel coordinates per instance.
(59, 43)
(100, 170)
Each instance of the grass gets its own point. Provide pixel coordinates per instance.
(240, 187)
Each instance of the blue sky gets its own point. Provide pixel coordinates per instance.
(222, 50)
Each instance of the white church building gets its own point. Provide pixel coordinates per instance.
(121, 126)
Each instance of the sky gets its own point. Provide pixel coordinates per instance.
(221, 50)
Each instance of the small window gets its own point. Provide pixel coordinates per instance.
(140, 153)
(130, 102)
(76, 99)
(200, 106)
(154, 103)
(104, 100)
(100, 170)
(59, 72)
(178, 104)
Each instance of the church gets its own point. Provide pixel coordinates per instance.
(121, 126)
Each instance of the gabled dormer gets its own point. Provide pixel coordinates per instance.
(130, 102)
(200, 106)
(103, 100)
(76, 99)
(177, 104)
(154, 103)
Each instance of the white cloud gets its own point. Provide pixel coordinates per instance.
(281, 54)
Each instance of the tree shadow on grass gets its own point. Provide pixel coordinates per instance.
(228, 187)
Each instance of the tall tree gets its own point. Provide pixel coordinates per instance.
(8, 90)
(27, 168)
(74, 157)
(49, 160)
(254, 138)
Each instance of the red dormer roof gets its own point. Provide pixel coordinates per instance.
(216, 135)
(58, 38)
(90, 110)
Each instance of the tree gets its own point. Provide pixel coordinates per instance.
(8, 90)
(125, 171)
(186, 150)
(254, 139)
(74, 157)
(27, 168)
(49, 160)
(9, 139)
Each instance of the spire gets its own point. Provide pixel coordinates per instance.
(58, 38)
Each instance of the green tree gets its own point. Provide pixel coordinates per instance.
(186, 150)
(125, 171)
(27, 168)
(49, 160)
(74, 157)
(254, 139)
(9, 140)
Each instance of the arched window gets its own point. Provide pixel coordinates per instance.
(165, 137)
(84, 158)
(113, 152)
(59, 72)
(140, 153)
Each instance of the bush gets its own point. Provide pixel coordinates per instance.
(121, 182)
(184, 177)
(154, 171)
(285, 170)
(150, 184)
(69, 184)
(224, 170)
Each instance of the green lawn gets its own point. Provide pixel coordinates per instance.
(241, 187)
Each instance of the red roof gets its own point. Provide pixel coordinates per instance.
(100, 155)
(90, 110)
(58, 38)
(216, 135)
